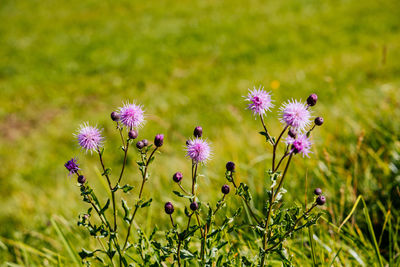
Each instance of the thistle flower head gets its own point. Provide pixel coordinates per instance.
(177, 177)
(260, 101)
(159, 140)
(72, 166)
(198, 150)
(194, 206)
(169, 208)
(81, 179)
(89, 137)
(225, 189)
(301, 144)
(230, 166)
(296, 115)
(131, 115)
(321, 200)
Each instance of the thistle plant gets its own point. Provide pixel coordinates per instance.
(201, 238)
(104, 220)
(201, 223)
(276, 221)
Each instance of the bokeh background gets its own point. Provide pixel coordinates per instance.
(189, 63)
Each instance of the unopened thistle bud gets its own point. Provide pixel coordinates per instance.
(115, 116)
(133, 134)
(140, 145)
(81, 179)
(312, 100)
(230, 166)
(198, 131)
(194, 206)
(225, 189)
(145, 142)
(169, 208)
(321, 200)
(292, 133)
(319, 121)
(177, 177)
(159, 140)
(317, 191)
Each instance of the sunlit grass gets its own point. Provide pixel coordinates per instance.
(66, 62)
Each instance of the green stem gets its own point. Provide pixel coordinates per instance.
(140, 197)
(271, 201)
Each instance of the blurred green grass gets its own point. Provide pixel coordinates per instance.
(189, 64)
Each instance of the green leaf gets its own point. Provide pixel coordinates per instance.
(126, 210)
(243, 190)
(85, 254)
(186, 254)
(267, 138)
(105, 207)
(126, 188)
(179, 194)
(147, 203)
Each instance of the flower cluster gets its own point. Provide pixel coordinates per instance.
(199, 237)
(128, 118)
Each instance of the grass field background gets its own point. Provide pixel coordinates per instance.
(189, 64)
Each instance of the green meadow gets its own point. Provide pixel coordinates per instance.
(190, 63)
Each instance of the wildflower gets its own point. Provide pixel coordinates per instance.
(194, 206)
(225, 189)
(169, 208)
(301, 144)
(72, 166)
(89, 137)
(198, 131)
(319, 121)
(81, 179)
(317, 191)
(198, 150)
(296, 115)
(177, 177)
(132, 115)
(115, 116)
(230, 166)
(321, 200)
(312, 100)
(260, 101)
(159, 140)
(132, 134)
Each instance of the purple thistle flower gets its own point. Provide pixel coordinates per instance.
(72, 166)
(131, 115)
(89, 138)
(260, 101)
(301, 144)
(296, 115)
(198, 150)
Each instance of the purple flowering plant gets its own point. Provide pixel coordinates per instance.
(200, 238)
(276, 222)
(201, 226)
(102, 220)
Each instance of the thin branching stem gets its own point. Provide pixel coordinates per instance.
(111, 189)
(271, 201)
(266, 131)
(276, 145)
(144, 178)
(126, 147)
